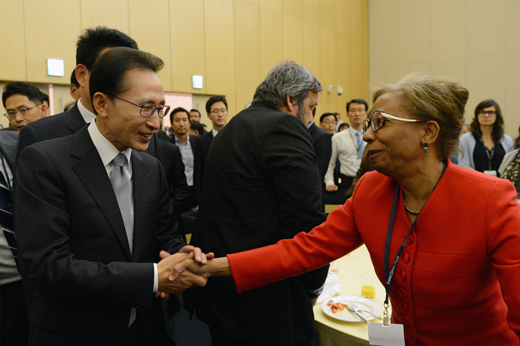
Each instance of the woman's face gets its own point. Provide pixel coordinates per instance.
(396, 145)
(487, 116)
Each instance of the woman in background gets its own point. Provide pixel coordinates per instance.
(486, 145)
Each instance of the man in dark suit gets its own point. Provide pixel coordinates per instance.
(261, 184)
(322, 143)
(90, 228)
(91, 45)
(180, 122)
(14, 326)
(217, 110)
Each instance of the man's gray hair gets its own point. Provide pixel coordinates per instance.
(286, 78)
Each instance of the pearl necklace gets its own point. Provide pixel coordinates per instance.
(410, 211)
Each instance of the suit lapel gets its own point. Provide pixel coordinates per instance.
(8, 142)
(93, 175)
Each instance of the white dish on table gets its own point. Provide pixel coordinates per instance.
(346, 315)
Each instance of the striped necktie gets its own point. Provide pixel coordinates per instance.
(6, 216)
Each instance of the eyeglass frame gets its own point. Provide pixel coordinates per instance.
(488, 113)
(25, 110)
(368, 121)
(165, 113)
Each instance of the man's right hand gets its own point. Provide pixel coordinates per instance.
(331, 188)
(185, 280)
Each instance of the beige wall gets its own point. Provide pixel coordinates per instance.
(476, 42)
(232, 43)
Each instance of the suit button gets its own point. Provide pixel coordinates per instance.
(403, 275)
(410, 330)
(407, 320)
(404, 292)
(410, 239)
(405, 306)
(406, 258)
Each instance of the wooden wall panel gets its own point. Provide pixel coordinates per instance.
(328, 69)
(328, 14)
(271, 37)
(152, 36)
(312, 49)
(187, 44)
(112, 14)
(248, 72)
(51, 31)
(292, 38)
(359, 49)
(12, 41)
(220, 47)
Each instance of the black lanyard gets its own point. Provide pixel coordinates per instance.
(389, 274)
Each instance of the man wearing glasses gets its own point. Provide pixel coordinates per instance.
(217, 110)
(23, 104)
(100, 214)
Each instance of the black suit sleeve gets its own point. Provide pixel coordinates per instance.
(323, 148)
(198, 164)
(27, 137)
(178, 184)
(291, 161)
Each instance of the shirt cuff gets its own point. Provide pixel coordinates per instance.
(155, 279)
(313, 294)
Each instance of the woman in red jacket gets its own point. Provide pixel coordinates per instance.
(454, 232)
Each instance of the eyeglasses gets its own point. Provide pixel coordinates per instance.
(378, 119)
(23, 112)
(147, 110)
(490, 113)
(217, 111)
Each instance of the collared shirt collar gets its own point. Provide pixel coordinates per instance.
(215, 132)
(107, 151)
(87, 115)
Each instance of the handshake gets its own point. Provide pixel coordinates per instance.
(187, 268)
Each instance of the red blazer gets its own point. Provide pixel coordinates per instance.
(458, 279)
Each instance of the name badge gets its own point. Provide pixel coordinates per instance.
(391, 335)
(491, 173)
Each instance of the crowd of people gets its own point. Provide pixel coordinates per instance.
(96, 203)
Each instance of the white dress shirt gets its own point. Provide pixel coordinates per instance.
(344, 147)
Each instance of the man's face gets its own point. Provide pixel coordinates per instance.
(20, 104)
(218, 115)
(180, 124)
(357, 114)
(329, 124)
(305, 113)
(195, 116)
(123, 126)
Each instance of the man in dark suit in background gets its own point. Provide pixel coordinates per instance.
(93, 43)
(90, 228)
(323, 148)
(262, 184)
(217, 110)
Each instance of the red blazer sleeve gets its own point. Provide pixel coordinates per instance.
(503, 239)
(305, 252)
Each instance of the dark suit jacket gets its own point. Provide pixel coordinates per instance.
(261, 184)
(322, 142)
(71, 121)
(200, 154)
(10, 129)
(73, 243)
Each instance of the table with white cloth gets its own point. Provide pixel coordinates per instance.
(354, 270)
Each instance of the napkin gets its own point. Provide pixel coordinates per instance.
(331, 288)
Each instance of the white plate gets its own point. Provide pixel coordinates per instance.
(346, 315)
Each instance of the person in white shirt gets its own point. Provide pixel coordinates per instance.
(347, 149)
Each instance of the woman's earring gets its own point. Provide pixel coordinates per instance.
(426, 148)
